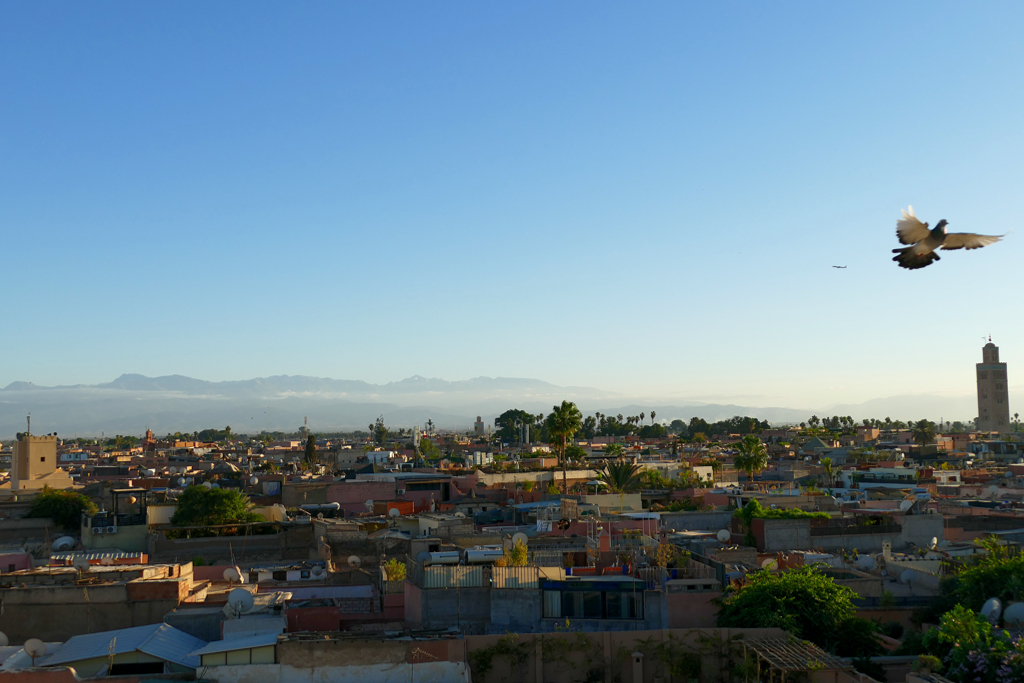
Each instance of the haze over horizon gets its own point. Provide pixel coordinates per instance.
(647, 199)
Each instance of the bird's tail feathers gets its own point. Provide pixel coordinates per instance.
(911, 261)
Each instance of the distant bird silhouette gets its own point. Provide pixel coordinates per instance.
(840, 267)
(924, 242)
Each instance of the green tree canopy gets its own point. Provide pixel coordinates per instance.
(923, 432)
(805, 602)
(508, 424)
(310, 457)
(65, 508)
(200, 506)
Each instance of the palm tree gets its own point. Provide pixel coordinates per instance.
(642, 415)
(923, 432)
(752, 456)
(652, 416)
(563, 422)
(620, 476)
(830, 470)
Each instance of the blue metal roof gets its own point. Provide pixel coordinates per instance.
(157, 640)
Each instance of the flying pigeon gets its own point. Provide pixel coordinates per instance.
(924, 242)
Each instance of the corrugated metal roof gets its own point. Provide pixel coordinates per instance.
(260, 640)
(157, 640)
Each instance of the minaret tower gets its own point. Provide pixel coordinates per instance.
(993, 402)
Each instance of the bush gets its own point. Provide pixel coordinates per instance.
(65, 508)
(200, 506)
(395, 569)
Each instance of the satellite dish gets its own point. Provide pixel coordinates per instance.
(908, 576)
(106, 561)
(34, 648)
(189, 481)
(771, 564)
(149, 472)
(460, 515)
(369, 505)
(866, 562)
(231, 575)
(63, 543)
(207, 485)
(423, 557)
(1013, 615)
(240, 600)
(992, 609)
(394, 512)
(993, 491)
(80, 562)
(935, 543)
(172, 470)
(132, 500)
(724, 535)
(4, 641)
(906, 505)
(253, 481)
(354, 561)
(520, 537)
(318, 570)
(181, 481)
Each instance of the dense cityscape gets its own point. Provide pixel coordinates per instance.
(554, 547)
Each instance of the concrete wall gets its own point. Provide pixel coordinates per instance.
(696, 521)
(56, 613)
(692, 610)
(515, 610)
(425, 672)
(921, 529)
(783, 534)
(294, 543)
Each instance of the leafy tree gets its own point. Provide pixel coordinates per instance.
(310, 457)
(805, 602)
(65, 508)
(677, 427)
(752, 456)
(589, 429)
(563, 422)
(429, 450)
(507, 425)
(379, 431)
(923, 432)
(614, 450)
(620, 476)
(516, 556)
(972, 651)
(994, 574)
(395, 569)
(575, 453)
(200, 506)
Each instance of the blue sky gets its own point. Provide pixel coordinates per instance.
(641, 197)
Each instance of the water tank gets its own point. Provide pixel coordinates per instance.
(446, 557)
(483, 555)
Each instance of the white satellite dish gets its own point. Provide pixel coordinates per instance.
(394, 512)
(511, 501)
(318, 570)
(253, 481)
(106, 561)
(906, 505)
(993, 491)
(34, 648)
(934, 544)
(181, 481)
(149, 472)
(4, 641)
(81, 562)
(354, 561)
(207, 485)
(723, 535)
(63, 543)
(992, 609)
(866, 562)
(1013, 615)
(231, 575)
(771, 564)
(172, 470)
(369, 505)
(460, 515)
(908, 576)
(520, 537)
(240, 600)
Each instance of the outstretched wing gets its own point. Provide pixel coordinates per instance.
(910, 230)
(969, 240)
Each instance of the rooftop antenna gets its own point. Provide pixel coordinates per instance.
(29, 426)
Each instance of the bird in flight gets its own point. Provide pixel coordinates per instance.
(923, 242)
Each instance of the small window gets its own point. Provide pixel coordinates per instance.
(42, 459)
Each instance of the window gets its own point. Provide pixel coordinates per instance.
(577, 604)
(982, 375)
(42, 459)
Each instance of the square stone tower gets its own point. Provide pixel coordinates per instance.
(993, 402)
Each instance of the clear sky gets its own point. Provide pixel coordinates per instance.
(643, 197)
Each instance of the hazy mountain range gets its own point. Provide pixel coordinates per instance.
(131, 403)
